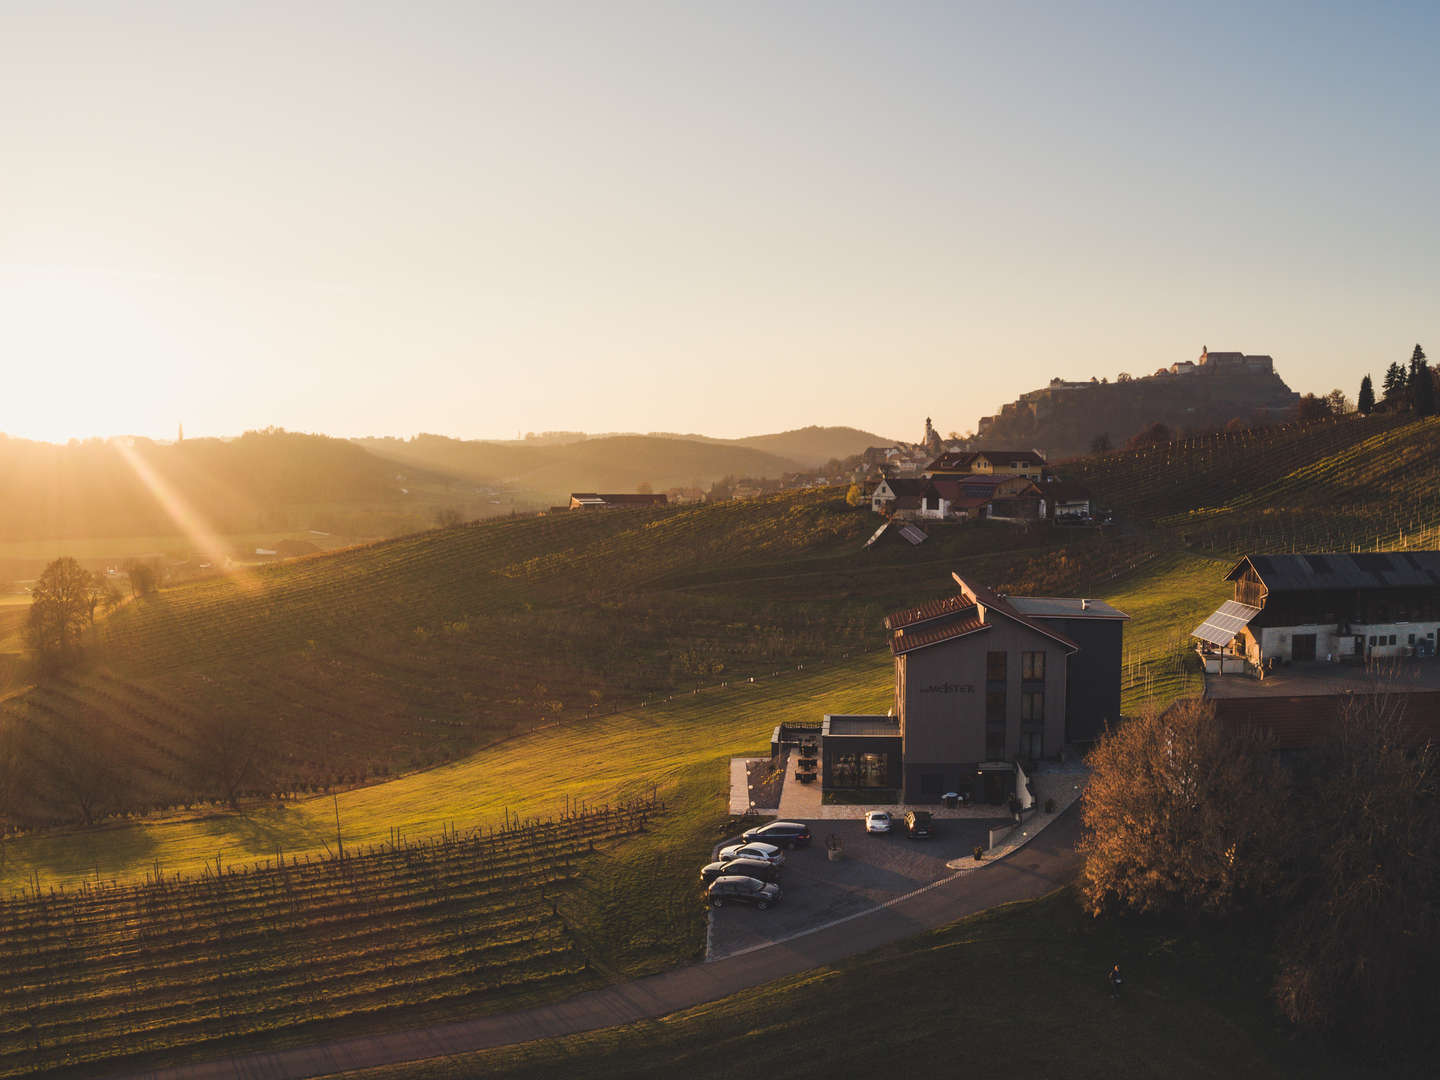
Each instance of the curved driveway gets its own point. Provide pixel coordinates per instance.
(1045, 863)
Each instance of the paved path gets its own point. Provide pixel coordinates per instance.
(1049, 860)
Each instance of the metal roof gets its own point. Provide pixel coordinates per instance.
(860, 725)
(913, 534)
(1221, 627)
(1364, 570)
(1065, 607)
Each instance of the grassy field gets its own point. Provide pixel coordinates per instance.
(533, 775)
(1019, 989)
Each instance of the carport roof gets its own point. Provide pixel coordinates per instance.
(1221, 627)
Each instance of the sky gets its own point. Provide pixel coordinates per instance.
(480, 219)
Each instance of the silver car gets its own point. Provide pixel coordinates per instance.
(768, 853)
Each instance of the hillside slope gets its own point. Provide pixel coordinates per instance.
(615, 463)
(337, 668)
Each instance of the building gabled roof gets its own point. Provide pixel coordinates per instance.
(993, 601)
(935, 609)
(1006, 457)
(1362, 570)
(918, 637)
(953, 461)
(906, 485)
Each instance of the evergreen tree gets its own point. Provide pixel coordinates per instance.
(1366, 400)
(1422, 389)
(1417, 374)
(1394, 381)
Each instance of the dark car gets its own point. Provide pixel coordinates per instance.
(918, 825)
(761, 871)
(787, 834)
(730, 889)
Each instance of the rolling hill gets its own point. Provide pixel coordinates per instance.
(548, 473)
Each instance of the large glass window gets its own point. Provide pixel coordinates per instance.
(860, 770)
(1032, 666)
(1032, 745)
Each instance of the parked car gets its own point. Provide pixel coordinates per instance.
(877, 821)
(918, 825)
(767, 853)
(781, 833)
(733, 889)
(762, 871)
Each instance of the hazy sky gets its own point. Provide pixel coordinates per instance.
(478, 219)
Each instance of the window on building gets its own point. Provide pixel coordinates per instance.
(932, 783)
(1032, 745)
(995, 744)
(1392, 639)
(995, 707)
(1412, 639)
(1032, 706)
(994, 667)
(1032, 666)
(1372, 639)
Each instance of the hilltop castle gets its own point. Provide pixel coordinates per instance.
(1066, 417)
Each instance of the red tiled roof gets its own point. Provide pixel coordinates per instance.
(904, 641)
(950, 605)
(955, 459)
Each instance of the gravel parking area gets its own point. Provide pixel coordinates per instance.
(873, 870)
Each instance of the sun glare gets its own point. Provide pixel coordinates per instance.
(86, 348)
(185, 517)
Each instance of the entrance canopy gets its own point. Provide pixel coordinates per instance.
(1220, 628)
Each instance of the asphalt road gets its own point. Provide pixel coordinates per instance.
(1045, 863)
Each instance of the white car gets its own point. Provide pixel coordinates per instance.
(767, 853)
(877, 821)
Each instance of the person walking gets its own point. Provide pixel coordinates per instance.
(1115, 981)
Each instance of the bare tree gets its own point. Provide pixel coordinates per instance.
(230, 758)
(1181, 814)
(1360, 953)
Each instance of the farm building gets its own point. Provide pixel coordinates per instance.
(982, 682)
(590, 500)
(1329, 607)
(1308, 637)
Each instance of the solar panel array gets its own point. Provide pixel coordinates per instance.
(1227, 621)
(914, 535)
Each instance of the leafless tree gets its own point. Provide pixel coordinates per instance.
(1361, 951)
(1180, 814)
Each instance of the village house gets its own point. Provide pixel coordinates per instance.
(965, 498)
(983, 682)
(1028, 463)
(590, 500)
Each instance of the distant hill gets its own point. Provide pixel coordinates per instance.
(263, 480)
(814, 446)
(549, 472)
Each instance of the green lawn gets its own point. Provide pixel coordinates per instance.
(1019, 990)
(585, 760)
